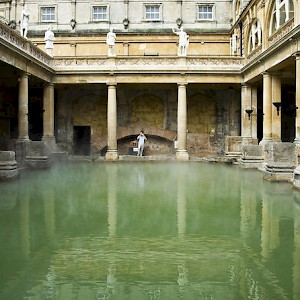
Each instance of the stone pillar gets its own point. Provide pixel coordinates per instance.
(254, 114)
(246, 111)
(48, 117)
(112, 152)
(276, 114)
(267, 110)
(23, 108)
(182, 153)
(297, 96)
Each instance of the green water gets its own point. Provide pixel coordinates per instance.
(159, 230)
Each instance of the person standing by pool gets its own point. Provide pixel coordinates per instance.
(141, 138)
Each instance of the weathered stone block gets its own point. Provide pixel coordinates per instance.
(233, 145)
(281, 162)
(8, 165)
(37, 155)
(252, 156)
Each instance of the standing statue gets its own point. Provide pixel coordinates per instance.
(183, 41)
(24, 22)
(49, 40)
(110, 41)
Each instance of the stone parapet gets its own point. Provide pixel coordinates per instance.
(8, 165)
(281, 162)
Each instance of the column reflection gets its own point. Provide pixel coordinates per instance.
(296, 269)
(112, 184)
(25, 222)
(181, 202)
(182, 279)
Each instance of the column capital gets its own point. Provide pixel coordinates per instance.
(24, 75)
(297, 55)
(265, 74)
(182, 84)
(111, 84)
(245, 85)
(48, 84)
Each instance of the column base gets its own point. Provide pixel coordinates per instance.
(49, 141)
(111, 155)
(264, 143)
(182, 155)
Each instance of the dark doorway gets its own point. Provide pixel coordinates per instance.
(288, 114)
(82, 140)
(35, 114)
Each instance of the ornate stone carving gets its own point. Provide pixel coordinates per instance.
(286, 28)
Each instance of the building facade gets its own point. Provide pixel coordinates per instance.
(237, 84)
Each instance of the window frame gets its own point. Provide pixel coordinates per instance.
(54, 7)
(154, 5)
(93, 13)
(208, 5)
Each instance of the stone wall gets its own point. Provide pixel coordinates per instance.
(211, 115)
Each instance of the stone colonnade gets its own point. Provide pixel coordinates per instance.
(48, 109)
(271, 108)
(112, 152)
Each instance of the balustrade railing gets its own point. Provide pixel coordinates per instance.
(13, 38)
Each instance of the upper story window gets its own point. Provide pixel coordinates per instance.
(282, 12)
(255, 35)
(152, 12)
(48, 14)
(100, 13)
(205, 12)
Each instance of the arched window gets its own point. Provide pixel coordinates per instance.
(255, 36)
(282, 12)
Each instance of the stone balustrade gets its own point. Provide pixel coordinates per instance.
(13, 38)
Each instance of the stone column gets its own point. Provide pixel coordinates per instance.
(276, 115)
(246, 111)
(23, 108)
(182, 153)
(267, 110)
(112, 152)
(297, 96)
(254, 114)
(48, 117)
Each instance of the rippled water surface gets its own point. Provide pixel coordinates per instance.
(148, 230)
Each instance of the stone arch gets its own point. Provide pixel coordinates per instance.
(147, 109)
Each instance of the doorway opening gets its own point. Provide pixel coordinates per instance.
(82, 140)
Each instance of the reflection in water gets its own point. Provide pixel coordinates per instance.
(148, 231)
